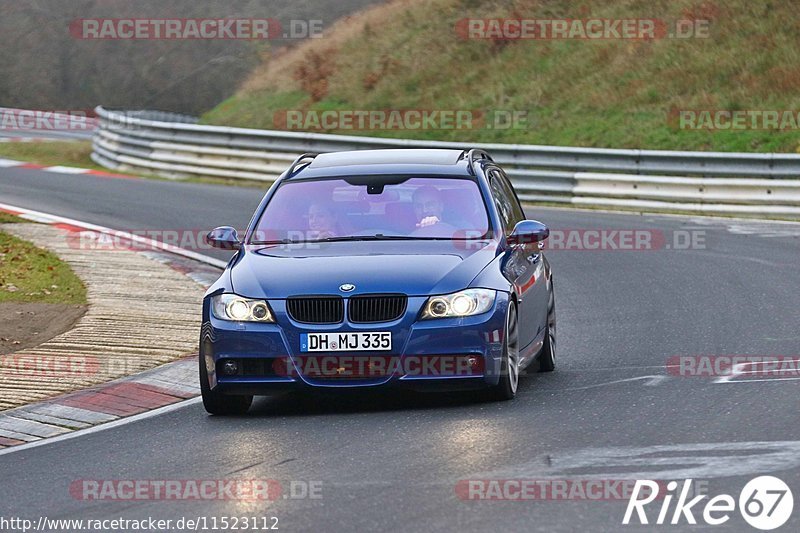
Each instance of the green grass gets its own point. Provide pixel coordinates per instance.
(52, 153)
(604, 93)
(30, 274)
(7, 218)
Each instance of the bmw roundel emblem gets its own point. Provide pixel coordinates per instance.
(347, 287)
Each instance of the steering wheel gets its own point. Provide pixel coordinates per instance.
(439, 229)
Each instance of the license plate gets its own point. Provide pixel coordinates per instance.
(346, 342)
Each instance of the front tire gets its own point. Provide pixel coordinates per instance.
(217, 403)
(506, 388)
(547, 359)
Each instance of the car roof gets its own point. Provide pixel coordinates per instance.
(397, 161)
(387, 157)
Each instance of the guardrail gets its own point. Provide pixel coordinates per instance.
(707, 182)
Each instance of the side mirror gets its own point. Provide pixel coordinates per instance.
(528, 231)
(224, 238)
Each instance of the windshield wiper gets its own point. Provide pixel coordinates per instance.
(355, 238)
(281, 241)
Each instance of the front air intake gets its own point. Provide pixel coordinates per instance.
(377, 308)
(316, 309)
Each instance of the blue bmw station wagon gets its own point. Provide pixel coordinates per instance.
(378, 268)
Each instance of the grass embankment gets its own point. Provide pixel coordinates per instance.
(599, 93)
(52, 153)
(32, 275)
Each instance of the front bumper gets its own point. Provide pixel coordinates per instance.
(443, 354)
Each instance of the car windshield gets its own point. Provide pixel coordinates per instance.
(373, 208)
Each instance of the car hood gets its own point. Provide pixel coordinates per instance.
(417, 268)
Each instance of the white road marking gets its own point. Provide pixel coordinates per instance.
(651, 381)
(17, 139)
(67, 170)
(739, 370)
(8, 163)
(36, 218)
(771, 380)
(761, 228)
(671, 461)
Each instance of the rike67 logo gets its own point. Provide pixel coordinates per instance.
(765, 503)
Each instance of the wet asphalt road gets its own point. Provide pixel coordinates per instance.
(611, 411)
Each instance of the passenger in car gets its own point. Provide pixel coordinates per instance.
(322, 222)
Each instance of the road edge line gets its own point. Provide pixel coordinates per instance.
(39, 216)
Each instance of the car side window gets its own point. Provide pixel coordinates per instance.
(506, 201)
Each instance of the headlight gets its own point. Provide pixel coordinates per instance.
(238, 309)
(464, 303)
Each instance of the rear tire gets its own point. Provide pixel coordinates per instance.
(217, 403)
(506, 388)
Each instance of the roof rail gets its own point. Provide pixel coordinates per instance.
(476, 154)
(297, 162)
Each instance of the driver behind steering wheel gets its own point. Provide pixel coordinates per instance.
(428, 206)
